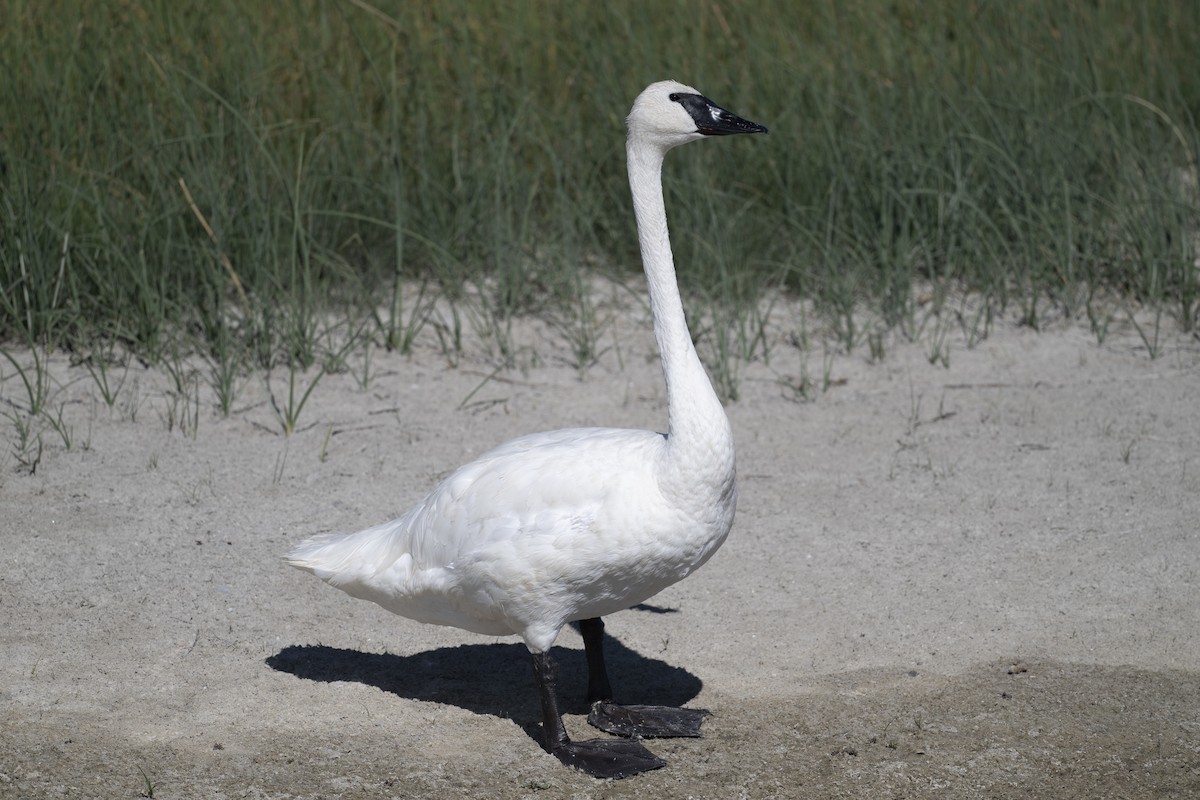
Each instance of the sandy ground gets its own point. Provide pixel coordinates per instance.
(973, 581)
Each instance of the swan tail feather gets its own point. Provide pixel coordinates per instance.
(340, 558)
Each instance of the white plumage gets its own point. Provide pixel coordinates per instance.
(569, 525)
(544, 530)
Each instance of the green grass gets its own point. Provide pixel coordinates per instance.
(249, 181)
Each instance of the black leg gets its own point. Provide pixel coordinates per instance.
(593, 647)
(545, 674)
(633, 721)
(602, 758)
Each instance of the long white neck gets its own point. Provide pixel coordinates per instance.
(699, 438)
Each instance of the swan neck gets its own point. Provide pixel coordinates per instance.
(695, 415)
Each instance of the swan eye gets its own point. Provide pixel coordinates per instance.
(673, 97)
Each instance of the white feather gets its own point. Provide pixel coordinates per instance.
(572, 524)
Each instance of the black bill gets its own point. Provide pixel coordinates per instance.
(711, 119)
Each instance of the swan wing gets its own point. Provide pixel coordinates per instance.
(555, 483)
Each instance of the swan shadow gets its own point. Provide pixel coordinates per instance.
(652, 609)
(494, 679)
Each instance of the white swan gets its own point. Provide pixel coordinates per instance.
(571, 525)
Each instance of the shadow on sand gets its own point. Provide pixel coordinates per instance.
(494, 679)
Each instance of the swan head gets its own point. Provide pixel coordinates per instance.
(669, 113)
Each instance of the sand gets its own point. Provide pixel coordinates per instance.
(973, 580)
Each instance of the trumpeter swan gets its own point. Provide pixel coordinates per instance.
(571, 525)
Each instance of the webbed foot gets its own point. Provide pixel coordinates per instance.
(647, 722)
(607, 758)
